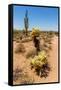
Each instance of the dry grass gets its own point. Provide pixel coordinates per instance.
(27, 39)
(31, 53)
(20, 48)
(17, 73)
(21, 76)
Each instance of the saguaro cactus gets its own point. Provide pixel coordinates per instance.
(26, 24)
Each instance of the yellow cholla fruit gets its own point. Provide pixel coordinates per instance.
(35, 32)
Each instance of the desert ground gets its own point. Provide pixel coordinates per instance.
(22, 72)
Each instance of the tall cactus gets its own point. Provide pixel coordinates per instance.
(26, 24)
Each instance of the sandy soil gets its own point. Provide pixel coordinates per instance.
(21, 62)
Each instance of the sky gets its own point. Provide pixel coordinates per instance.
(44, 18)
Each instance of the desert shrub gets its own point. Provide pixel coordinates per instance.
(19, 74)
(31, 53)
(40, 63)
(47, 47)
(47, 42)
(47, 38)
(25, 79)
(56, 33)
(26, 39)
(20, 48)
(17, 35)
(20, 37)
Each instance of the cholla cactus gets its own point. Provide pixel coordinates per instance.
(35, 35)
(35, 32)
(40, 64)
(39, 60)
